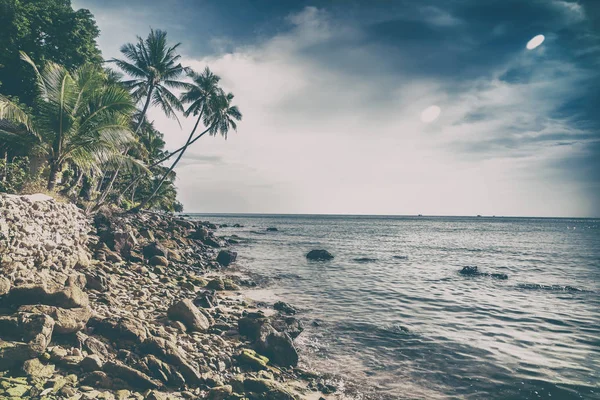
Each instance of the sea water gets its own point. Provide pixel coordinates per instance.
(391, 317)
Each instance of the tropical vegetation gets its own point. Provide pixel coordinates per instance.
(78, 128)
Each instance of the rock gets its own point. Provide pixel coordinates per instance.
(122, 330)
(97, 379)
(66, 320)
(68, 297)
(4, 286)
(206, 299)
(220, 393)
(284, 307)
(35, 369)
(13, 354)
(216, 284)
(272, 229)
(91, 363)
(250, 325)
(278, 346)
(200, 234)
(186, 312)
(154, 249)
(471, 271)
(226, 257)
(97, 281)
(212, 242)
(252, 359)
(37, 330)
(159, 260)
(169, 353)
(130, 375)
(499, 276)
(319, 255)
(290, 325)
(269, 388)
(94, 346)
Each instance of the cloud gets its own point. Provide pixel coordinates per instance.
(331, 110)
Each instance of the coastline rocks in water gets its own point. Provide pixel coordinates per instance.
(277, 346)
(186, 312)
(364, 259)
(284, 308)
(226, 257)
(319, 255)
(272, 229)
(474, 271)
(222, 284)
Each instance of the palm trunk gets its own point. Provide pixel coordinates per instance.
(54, 167)
(164, 177)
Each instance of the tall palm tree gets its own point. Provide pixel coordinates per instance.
(80, 118)
(216, 112)
(154, 69)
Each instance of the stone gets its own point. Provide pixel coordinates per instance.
(159, 260)
(168, 352)
(122, 330)
(252, 359)
(154, 249)
(277, 346)
(66, 320)
(206, 299)
(67, 297)
(216, 284)
(35, 369)
(272, 389)
(37, 330)
(284, 307)
(290, 325)
(97, 379)
(226, 257)
(186, 312)
(91, 363)
(130, 375)
(272, 229)
(251, 324)
(200, 234)
(220, 393)
(319, 255)
(4, 286)
(13, 354)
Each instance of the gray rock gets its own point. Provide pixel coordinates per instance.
(186, 312)
(130, 375)
(226, 257)
(319, 255)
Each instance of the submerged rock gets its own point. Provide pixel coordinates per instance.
(474, 271)
(272, 229)
(284, 308)
(319, 255)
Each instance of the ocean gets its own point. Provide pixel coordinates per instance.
(391, 317)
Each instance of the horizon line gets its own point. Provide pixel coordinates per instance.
(378, 215)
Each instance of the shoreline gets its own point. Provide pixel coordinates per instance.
(150, 313)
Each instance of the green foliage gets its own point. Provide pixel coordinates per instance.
(47, 30)
(14, 174)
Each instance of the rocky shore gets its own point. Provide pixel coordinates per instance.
(141, 306)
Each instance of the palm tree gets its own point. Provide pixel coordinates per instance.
(214, 109)
(80, 118)
(154, 69)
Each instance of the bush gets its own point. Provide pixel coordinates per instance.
(14, 174)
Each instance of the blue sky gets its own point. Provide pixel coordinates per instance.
(333, 91)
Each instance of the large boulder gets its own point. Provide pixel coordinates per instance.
(186, 312)
(123, 330)
(319, 255)
(268, 389)
(168, 352)
(67, 297)
(278, 346)
(66, 320)
(226, 257)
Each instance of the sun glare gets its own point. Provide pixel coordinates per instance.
(535, 42)
(430, 114)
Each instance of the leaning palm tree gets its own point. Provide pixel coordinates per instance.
(80, 119)
(154, 70)
(218, 116)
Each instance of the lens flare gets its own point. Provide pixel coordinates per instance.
(430, 114)
(535, 42)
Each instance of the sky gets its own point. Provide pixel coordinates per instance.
(433, 107)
